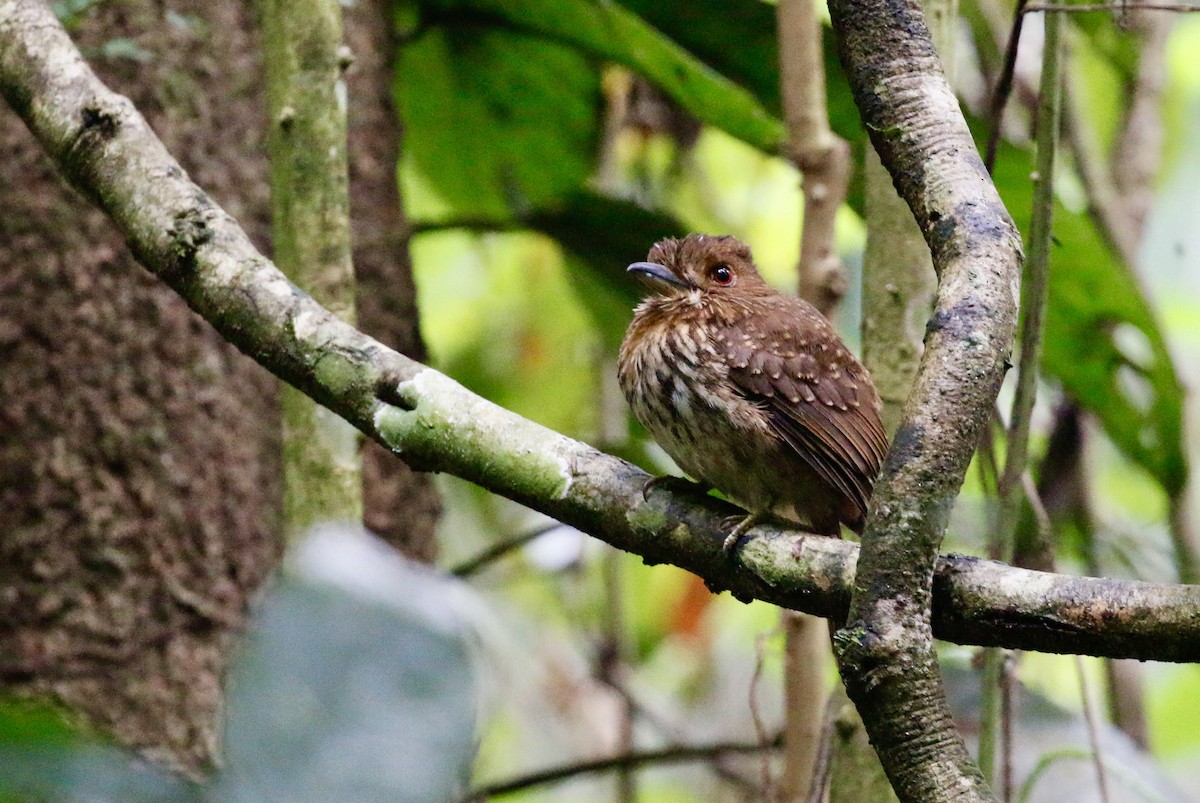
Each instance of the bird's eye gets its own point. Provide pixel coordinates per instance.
(721, 274)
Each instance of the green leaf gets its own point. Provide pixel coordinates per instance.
(709, 29)
(601, 237)
(609, 31)
(1102, 341)
(740, 41)
(498, 122)
(45, 759)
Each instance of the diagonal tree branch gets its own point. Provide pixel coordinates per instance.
(107, 152)
(886, 650)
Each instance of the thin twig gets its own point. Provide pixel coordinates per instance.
(989, 712)
(1020, 422)
(675, 733)
(760, 729)
(1116, 8)
(1004, 87)
(1006, 727)
(498, 550)
(1089, 717)
(612, 659)
(823, 767)
(667, 755)
(1037, 273)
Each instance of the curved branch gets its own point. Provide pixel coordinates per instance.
(886, 651)
(821, 156)
(109, 153)
(666, 755)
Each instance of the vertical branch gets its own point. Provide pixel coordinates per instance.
(1036, 278)
(612, 661)
(1011, 489)
(306, 100)
(1093, 730)
(1004, 85)
(897, 293)
(806, 643)
(897, 296)
(399, 504)
(898, 290)
(886, 651)
(822, 157)
(611, 414)
(898, 277)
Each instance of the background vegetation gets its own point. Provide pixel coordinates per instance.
(547, 144)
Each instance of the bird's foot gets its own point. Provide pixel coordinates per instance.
(738, 526)
(680, 484)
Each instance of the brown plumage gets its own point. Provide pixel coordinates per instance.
(750, 390)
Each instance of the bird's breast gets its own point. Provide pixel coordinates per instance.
(677, 384)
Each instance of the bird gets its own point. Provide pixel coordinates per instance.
(750, 390)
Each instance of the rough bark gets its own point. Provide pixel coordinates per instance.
(899, 284)
(138, 450)
(886, 651)
(185, 239)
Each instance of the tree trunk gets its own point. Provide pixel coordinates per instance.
(139, 453)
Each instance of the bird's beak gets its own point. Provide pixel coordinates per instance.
(658, 278)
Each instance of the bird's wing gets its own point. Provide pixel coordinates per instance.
(820, 400)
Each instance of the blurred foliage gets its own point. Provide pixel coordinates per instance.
(524, 298)
(1104, 344)
(532, 182)
(609, 31)
(356, 683)
(1102, 341)
(521, 130)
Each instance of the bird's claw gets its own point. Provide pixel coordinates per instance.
(666, 481)
(738, 526)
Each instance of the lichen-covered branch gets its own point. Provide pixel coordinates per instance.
(886, 650)
(310, 215)
(109, 153)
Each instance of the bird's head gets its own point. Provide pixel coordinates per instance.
(698, 263)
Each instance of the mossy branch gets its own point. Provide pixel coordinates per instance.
(107, 151)
(886, 652)
(310, 215)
